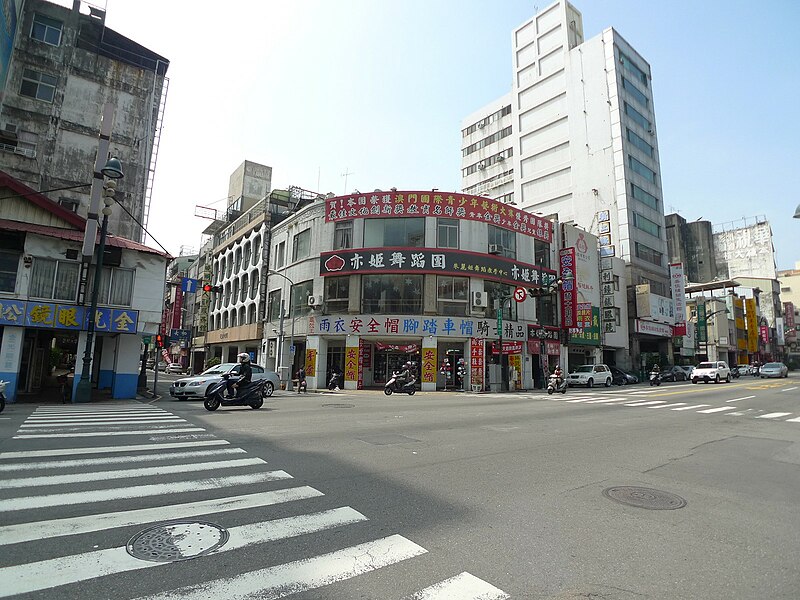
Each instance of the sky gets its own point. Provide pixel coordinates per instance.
(378, 90)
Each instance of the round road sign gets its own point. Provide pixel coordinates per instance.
(520, 294)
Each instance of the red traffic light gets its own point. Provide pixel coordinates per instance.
(159, 340)
(207, 287)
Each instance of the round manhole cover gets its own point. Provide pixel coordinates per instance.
(642, 497)
(177, 540)
(339, 405)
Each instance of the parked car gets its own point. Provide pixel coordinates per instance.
(589, 375)
(715, 371)
(688, 370)
(674, 374)
(195, 387)
(774, 369)
(151, 363)
(620, 377)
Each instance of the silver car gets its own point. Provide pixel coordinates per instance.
(195, 387)
(774, 369)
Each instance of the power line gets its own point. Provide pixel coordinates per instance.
(142, 226)
(34, 193)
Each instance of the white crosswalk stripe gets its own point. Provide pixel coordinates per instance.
(716, 410)
(774, 415)
(96, 504)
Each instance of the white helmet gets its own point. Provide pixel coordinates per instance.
(243, 357)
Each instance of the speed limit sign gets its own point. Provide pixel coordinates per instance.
(520, 294)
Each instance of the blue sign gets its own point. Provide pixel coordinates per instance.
(179, 335)
(51, 315)
(188, 286)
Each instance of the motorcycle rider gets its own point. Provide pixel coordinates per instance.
(245, 374)
(405, 376)
(559, 375)
(656, 370)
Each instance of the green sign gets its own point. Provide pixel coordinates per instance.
(587, 335)
(702, 333)
(147, 339)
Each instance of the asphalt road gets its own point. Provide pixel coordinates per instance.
(356, 495)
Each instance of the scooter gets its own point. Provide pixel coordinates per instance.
(655, 378)
(554, 385)
(393, 386)
(251, 395)
(2, 395)
(735, 373)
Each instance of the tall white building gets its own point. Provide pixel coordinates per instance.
(579, 138)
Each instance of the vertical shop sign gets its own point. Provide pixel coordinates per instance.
(568, 292)
(476, 365)
(678, 285)
(752, 324)
(764, 334)
(351, 363)
(429, 365)
(362, 350)
(311, 362)
(515, 362)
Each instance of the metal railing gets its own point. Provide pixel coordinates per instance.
(15, 150)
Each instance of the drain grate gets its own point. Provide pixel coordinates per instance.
(642, 497)
(334, 405)
(177, 540)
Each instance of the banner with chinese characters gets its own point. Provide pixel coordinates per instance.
(429, 365)
(788, 315)
(51, 315)
(752, 324)
(569, 295)
(434, 260)
(589, 323)
(311, 362)
(764, 334)
(428, 204)
(539, 332)
(515, 362)
(508, 347)
(351, 363)
(678, 297)
(362, 351)
(476, 361)
(413, 326)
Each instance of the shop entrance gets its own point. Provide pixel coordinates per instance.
(452, 367)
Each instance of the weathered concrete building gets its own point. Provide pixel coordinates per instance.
(691, 244)
(65, 65)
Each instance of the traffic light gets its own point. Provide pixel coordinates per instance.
(159, 341)
(212, 288)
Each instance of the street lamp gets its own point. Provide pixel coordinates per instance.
(281, 366)
(113, 171)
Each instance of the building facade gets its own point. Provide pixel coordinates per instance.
(584, 148)
(66, 65)
(692, 245)
(790, 297)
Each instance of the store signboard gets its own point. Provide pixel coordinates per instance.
(678, 285)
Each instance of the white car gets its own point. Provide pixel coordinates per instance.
(590, 375)
(715, 371)
(195, 387)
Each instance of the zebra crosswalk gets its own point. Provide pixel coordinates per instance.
(84, 486)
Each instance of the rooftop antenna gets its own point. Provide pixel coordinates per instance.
(347, 172)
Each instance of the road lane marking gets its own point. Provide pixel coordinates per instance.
(640, 392)
(580, 400)
(646, 403)
(116, 460)
(774, 415)
(106, 414)
(716, 410)
(796, 420)
(691, 407)
(104, 433)
(49, 480)
(50, 425)
(606, 401)
(669, 405)
(26, 532)
(743, 398)
(463, 586)
(139, 491)
(47, 574)
(105, 449)
(302, 575)
(789, 389)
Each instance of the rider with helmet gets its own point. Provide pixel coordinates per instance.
(558, 374)
(405, 376)
(245, 373)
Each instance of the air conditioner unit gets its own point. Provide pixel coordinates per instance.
(481, 165)
(479, 299)
(495, 249)
(481, 124)
(315, 301)
(501, 158)
(10, 127)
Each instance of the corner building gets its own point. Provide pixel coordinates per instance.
(371, 281)
(576, 140)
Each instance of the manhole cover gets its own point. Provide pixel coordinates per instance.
(177, 540)
(642, 497)
(339, 405)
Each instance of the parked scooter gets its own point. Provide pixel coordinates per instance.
(2, 395)
(556, 384)
(735, 373)
(394, 386)
(251, 394)
(655, 378)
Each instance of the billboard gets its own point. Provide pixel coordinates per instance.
(587, 263)
(653, 307)
(746, 251)
(678, 285)
(569, 294)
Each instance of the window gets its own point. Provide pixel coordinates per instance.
(644, 197)
(229, 265)
(256, 249)
(46, 30)
(638, 117)
(646, 224)
(494, 292)
(245, 288)
(451, 295)
(299, 297)
(227, 299)
(343, 235)
(403, 231)
(447, 233)
(280, 255)
(541, 253)
(616, 285)
(495, 137)
(251, 313)
(235, 291)
(301, 246)
(233, 317)
(391, 294)
(116, 286)
(274, 305)
(505, 239)
(656, 287)
(9, 263)
(617, 317)
(54, 279)
(237, 266)
(242, 315)
(634, 69)
(648, 254)
(246, 255)
(337, 294)
(254, 283)
(635, 93)
(641, 169)
(38, 85)
(640, 143)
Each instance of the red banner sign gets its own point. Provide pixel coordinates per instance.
(764, 333)
(427, 204)
(508, 347)
(569, 293)
(407, 348)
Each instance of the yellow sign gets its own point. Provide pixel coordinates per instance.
(752, 324)
(311, 362)
(515, 362)
(429, 365)
(351, 363)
